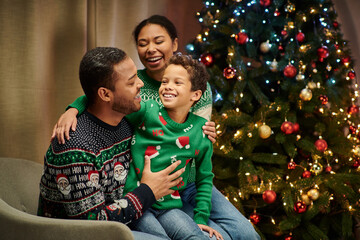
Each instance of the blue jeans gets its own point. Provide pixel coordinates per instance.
(169, 224)
(142, 236)
(233, 225)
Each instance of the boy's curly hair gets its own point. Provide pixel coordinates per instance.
(196, 70)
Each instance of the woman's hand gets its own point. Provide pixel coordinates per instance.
(62, 128)
(210, 131)
(211, 231)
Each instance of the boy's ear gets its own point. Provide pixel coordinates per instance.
(196, 95)
(104, 94)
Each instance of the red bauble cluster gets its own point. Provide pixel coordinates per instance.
(323, 53)
(300, 207)
(241, 38)
(300, 37)
(255, 218)
(207, 59)
(328, 169)
(352, 74)
(289, 127)
(321, 145)
(265, 3)
(291, 165)
(290, 71)
(356, 163)
(353, 109)
(352, 129)
(269, 196)
(324, 99)
(229, 72)
(306, 174)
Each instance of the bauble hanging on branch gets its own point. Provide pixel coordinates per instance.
(321, 145)
(265, 3)
(290, 71)
(269, 196)
(313, 194)
(323, 52)
(287, 127)
(264, 131)
(229, 72)
(207, 59)
(300, 207)
(255, 218)
(306, 94)
(300, 37)
(265, 47)
(241, 38)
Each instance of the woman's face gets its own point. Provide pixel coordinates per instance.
(155, 47)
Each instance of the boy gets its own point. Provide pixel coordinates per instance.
(171, 133)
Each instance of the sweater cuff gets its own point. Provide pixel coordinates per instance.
(145, 195)
(201, 218)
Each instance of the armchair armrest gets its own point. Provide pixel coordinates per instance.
(15, 224)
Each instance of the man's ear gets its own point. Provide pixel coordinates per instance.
(104, 94)
(196, 95)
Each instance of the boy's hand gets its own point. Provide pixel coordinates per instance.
(161, 182)
(210, 131)
(211, 231)
(62, 128)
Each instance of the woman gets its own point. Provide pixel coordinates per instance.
(156, 41)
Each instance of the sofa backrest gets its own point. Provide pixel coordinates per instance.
(19, 183)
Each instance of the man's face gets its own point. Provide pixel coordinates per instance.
(126, 94)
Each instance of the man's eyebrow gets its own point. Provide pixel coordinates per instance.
(132, 76)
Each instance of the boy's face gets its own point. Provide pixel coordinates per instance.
(175, 89)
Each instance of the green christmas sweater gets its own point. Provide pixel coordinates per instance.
(150, 90)
(165, 141)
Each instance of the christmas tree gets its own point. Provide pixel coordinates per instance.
(286, 113)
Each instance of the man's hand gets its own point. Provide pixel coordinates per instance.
(161, 182)
(211, 231)
(62, 128)
(210, 131)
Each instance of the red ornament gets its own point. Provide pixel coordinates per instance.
(352, 129)
(300, 37)
(284, 33)
(321, 145)
(306, 174)
(291, 165)
(328, 169)
(277, 13)
(351, 75)
(296, 127)
(335, 24)
(323, 53)
(344, 60)
(290, 71)
(255, 218)
(241, 38)
(353, 109)
(229, 72)
(207, 59)
(324, 99)
(300, 207)
(265, 3)
(287, 127)
(269, 196)
(356, 164)
(288, 238)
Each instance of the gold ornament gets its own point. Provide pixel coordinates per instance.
(316, 168)
(356, 151)
(300, 77)
(273, 66)
(306, 199)
(306, 94)
(264, 131)
(313, 194)
(265, 46)
(290, 7)
(311, 85)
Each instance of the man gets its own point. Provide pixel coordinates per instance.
(82, 178)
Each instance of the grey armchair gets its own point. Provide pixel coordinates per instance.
(19, 192)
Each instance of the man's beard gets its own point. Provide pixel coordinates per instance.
(125, 106)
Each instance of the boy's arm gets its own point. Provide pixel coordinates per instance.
(204, 183)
